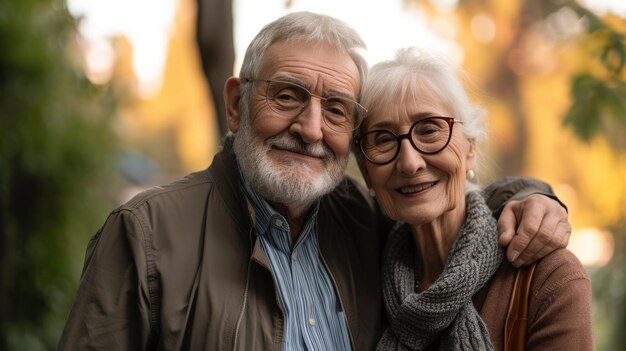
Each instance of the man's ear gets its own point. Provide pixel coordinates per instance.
(232, 96)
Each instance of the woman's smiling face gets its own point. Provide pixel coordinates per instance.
(416, 188)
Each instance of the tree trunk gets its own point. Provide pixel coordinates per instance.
(214, 35)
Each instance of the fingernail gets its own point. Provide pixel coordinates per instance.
(517, 264)
(514, 255)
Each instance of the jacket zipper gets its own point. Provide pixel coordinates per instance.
(245, 297)
(332, 278)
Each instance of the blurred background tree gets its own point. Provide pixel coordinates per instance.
(57, 168)
(598, 110)
(214, 34)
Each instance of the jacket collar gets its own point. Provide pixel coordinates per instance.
(225, 174)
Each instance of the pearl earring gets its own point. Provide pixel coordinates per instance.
(470, 174)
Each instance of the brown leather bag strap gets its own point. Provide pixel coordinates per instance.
(517, 315)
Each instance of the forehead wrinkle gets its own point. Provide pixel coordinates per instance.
(291, 60)
(327, 93)
(339, 71)
(321, 75)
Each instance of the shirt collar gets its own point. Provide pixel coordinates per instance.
(264, 212)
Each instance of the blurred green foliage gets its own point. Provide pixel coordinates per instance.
(609, 295)
(57, 169)
(599, 93)
(598, 109)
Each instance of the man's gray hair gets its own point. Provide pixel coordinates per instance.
(308, 28)
(304, 27)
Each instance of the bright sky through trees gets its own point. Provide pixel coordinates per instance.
(384, 25)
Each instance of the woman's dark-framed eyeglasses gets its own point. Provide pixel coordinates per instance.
(287, 99)
(428, 136)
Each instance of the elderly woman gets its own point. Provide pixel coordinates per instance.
(446, 284)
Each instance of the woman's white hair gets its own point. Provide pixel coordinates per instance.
(414, 72)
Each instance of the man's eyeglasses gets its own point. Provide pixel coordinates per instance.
(428, 136)
(288, 100)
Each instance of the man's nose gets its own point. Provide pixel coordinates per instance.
(309, 122)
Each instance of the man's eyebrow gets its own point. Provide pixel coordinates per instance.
(293, 80)
(326, 93)
(339, 94)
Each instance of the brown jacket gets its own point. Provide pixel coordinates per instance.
(179, 267)
(559, 316)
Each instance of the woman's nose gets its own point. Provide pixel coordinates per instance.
(409, 160)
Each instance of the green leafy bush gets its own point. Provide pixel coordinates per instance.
(57, 169)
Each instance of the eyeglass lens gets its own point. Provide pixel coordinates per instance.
(289, 99)
(428, 136)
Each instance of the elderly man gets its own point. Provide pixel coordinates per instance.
(271, 247)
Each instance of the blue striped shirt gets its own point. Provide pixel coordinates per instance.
(314, 319)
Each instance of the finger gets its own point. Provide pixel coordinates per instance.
(563, 233)
(553, 233)
(507, 223)
(529, 221)
(523, 261)
(516, 249)
(542, 242)
(554, 215)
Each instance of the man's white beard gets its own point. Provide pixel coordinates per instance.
(294, 186)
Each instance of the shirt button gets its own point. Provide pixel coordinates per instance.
(279, 223)
(312, 321)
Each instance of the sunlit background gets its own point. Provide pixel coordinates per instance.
(385, 26)
(524, 61)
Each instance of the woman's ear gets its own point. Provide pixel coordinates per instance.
(470, 159)
(360, 161)
(232, 96)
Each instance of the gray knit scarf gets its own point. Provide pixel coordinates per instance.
(444, 312)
